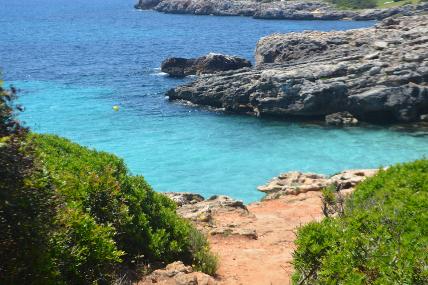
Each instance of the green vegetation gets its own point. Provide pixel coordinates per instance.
(367, 4)
(27, 205)
(71, 215)
(381, 238)
(354, 4)
(396, 3)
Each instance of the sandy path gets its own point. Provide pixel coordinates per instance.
(267, 259)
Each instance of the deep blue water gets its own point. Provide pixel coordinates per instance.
(74, 60)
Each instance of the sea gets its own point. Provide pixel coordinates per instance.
(73, 61)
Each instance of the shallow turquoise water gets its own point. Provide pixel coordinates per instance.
(75, 60)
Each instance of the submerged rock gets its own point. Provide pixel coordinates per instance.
(291, 10)
(378, 75)
(211, 63)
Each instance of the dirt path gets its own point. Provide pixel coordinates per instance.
(267, 259)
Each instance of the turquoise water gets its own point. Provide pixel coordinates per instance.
(74, 60)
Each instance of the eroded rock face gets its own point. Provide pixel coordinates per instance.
(294, 183)
(211, 63)
(378, 75)
(291, 10)
(177, 273)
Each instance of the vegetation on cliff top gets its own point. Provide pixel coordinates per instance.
(71, 215)
(381, 238)
(368, 4)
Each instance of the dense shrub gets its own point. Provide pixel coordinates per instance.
(138, 223)
(71, 215)
(354, 4)
(381, 239)
(27, 205)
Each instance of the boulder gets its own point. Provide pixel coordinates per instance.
(341, 119)
(202, 213)
(211, 63)
(294, 183)
(184, 198)
(147, 4)
(178, 66)
(177, 273)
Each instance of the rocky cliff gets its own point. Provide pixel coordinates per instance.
(292, 10)
(378, 74)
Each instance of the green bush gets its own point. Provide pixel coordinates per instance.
(144, 225)
(27, 205)
(71, 215)
(203, 259)
(354, 4)
(83, 250)
(381, 239)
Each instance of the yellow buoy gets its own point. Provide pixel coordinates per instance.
(116, 108)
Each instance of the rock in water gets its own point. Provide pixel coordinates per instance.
(341, 119)
(211, 63)
(377, 74)
(147, 4)
(178, 67)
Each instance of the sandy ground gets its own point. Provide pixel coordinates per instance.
(267, 259)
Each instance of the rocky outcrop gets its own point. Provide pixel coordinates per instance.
(377, 75)
(291, 10)
(294, 183)
(341, 119)
(211, 63)
(202, 213)
(177, 273)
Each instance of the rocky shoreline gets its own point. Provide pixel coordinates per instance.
(377, 75)
(290, 10)
(203, 212)
(242, 235)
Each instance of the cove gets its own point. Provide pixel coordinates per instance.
(74, 61)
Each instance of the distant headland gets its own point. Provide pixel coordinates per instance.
(290, 10)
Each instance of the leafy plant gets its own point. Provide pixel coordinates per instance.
(71, 215)
(381, 239)
(203, 259)
(27, 204)
(354, 4)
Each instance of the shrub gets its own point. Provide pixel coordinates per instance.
(354, 4)
(71, 215)
(203, 259)
(145, 226)
(84, 251)
(381, 239)
(27, 205)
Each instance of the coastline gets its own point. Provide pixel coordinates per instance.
(255, 242)
(342, 76)
(284, 10)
